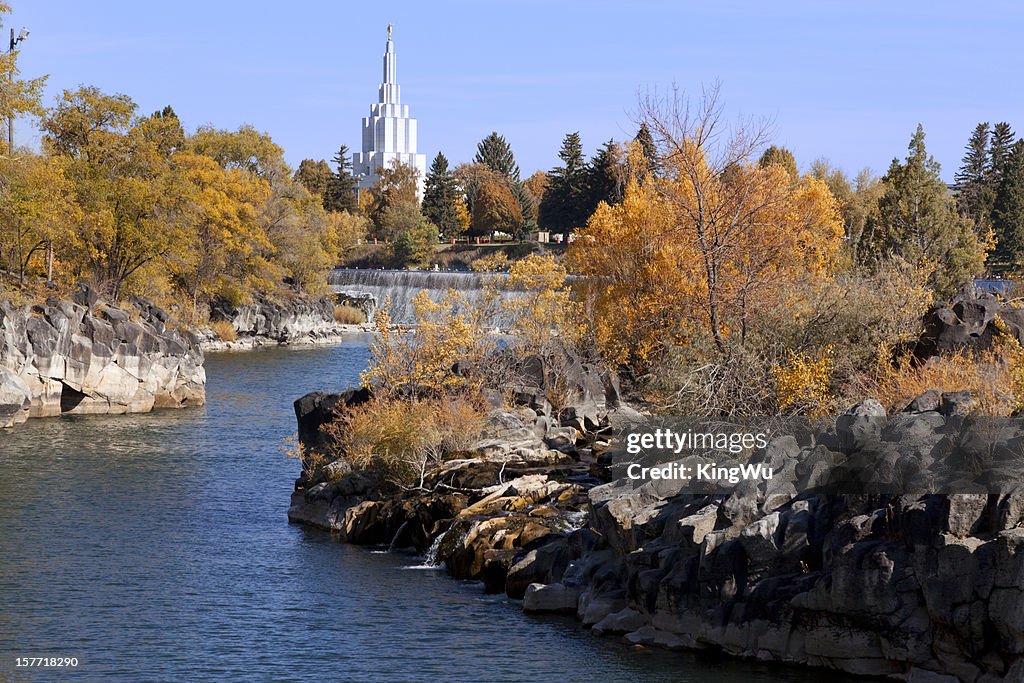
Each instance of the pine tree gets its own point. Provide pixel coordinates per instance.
(341, 186)
(918, 222)
(646, 141)
(1008, 210)
(604, 177)
(495, 153)
(564, 205)
(999, 151)
(780, 156)
(440, 197)
(976, 188)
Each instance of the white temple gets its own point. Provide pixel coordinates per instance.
(388, 132)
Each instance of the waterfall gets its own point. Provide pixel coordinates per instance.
(430, 559)
(398, 533)
(400, 286)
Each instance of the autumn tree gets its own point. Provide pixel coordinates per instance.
(396, 184)
(17, 96)
(857, 199)
(536, 185)
(314, 176)
(224, 246)
(441, 197)
(246, 149)
(918, 222)
(129, 200)
(495, 209)
(37, 209)
(705, 250)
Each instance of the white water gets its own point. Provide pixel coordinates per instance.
(399, 287)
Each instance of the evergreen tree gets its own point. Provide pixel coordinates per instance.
(563, 207)
(918, 222)
(440, 197)
(604, 177)
(1008, 210)
(495, 153)
(999, 150)
(646, 141)
(976, 188)
(780, 156)
(341, 186)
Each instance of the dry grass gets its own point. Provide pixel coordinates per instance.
(224, 330)
(348, 315)
(405, 439)
(993, 376)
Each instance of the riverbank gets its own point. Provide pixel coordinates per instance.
(924, 587)
(85, 357)
(293, 321)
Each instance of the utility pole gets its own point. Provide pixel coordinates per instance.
(22, 35)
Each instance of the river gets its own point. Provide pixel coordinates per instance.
(156, 548)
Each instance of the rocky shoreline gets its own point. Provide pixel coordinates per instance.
(85, 357)
(906, 587)
(296, 322)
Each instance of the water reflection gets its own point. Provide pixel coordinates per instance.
(156, 547)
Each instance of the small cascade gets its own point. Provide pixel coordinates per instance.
(430, 559)
(399, 287)
(398, 533)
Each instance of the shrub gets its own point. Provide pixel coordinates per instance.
(348, 315)
(224, 330)
(802, 383)
(994, 377)
(404, 439)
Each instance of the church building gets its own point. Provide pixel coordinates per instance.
(389, 133)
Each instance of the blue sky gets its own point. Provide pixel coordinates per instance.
(843, 80)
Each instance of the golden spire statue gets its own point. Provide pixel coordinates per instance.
(389, 31)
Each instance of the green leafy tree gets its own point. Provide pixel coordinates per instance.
(441, 196)
(415, 236)
(780, 156)
(919, 223)
(976, 187)
(1008, 209)
(564, 206)
(341, 194)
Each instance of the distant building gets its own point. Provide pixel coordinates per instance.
(389, 134)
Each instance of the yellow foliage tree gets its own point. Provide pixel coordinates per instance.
(420, 360)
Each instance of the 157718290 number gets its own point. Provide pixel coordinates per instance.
(45, 662)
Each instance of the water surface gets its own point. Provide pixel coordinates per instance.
(156, 547)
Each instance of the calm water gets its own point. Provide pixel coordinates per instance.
(156, 547)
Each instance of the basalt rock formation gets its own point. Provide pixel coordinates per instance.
(917, 587)
(87, 357)
(296, 320)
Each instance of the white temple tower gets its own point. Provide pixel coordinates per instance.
(388, 132)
